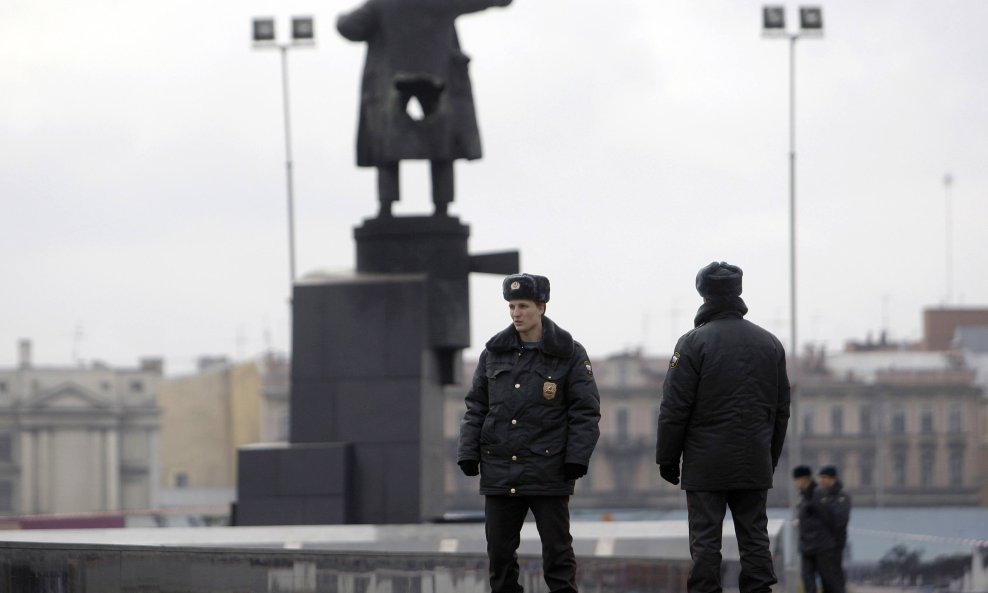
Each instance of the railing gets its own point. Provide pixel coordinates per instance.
(74, 568)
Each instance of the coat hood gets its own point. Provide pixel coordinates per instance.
(719, 307)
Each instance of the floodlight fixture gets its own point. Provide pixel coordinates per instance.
(263, 30)
(303, 29)
(811, 19)
(774, 19)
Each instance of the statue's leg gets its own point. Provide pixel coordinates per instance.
(442, 185)
(387, 187)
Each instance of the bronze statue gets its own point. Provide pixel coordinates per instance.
(414, 56)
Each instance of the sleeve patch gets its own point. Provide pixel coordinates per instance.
(674, 361)
(586, 364)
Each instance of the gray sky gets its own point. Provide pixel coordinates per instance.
(627, 143)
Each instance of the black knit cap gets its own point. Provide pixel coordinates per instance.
(719, 279)
(526, 286)
(828, 470)
(801, 471)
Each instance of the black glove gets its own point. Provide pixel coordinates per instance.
(669, 473)
(470, 467)
(574, 471)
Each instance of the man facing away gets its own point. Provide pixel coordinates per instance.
(724, 411)
(530, 428)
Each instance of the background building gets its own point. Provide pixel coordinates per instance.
(78, 439)
(205, 417)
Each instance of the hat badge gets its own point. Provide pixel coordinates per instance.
(515, 285)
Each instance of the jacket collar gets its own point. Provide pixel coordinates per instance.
(720, 308)
(555, 340)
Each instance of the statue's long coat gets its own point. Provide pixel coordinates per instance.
(412, 44)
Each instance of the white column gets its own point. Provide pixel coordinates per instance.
(28, 464)
(44, 470)
(154, 468)
(97, 499)
(112, 470)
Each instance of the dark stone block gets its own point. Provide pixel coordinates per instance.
(380, 411)
(314, 416)
(359, 326)
(259, 471)
(434, 246)
(293, 510)
(292, 470)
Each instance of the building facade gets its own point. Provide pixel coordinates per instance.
(206, 416)
(78, 439)
(900, 436)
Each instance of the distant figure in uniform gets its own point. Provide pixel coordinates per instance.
(725, 406)
(413, 56)
(529, 430)
(817, 535)
(839, 502)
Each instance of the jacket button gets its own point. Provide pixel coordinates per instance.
(513, 421)
(513, 490)
(546, 451)
(514, 458)
(517, 385)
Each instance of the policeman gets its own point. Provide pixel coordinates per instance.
(725, 405)
(839, 502)
(529, 430)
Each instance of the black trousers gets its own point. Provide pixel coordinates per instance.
(827, 564)
(505, 516)
(706, 521)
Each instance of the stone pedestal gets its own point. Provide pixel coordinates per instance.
(370, 353)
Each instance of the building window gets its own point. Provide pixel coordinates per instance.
(867, 476)
(106, 386)
(898, 421)
(956, 466)
(136, 386)
(621, 423)
(3, 387)
(808, 420)
(926, 466)
(899, 467)
(955, 422)
(6, 447)
(837, 420)
(6, 496)
(181, 480)
(926, 420)
(864, 419)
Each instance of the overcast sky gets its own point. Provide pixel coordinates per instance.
(626, 144)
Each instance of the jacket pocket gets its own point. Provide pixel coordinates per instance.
(497, 377)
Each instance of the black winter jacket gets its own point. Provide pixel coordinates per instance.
(725, 402)
(839, 503)
(818, 525)
(529, 411)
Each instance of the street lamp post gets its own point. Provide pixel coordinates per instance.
(303, 35)
(774, 26)
(948, 182)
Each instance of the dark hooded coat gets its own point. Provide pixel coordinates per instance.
(725, 402)
(413, 50)
(530, 411)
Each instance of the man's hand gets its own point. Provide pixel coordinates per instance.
(469, 467)
(669, 473)
(574, 471)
